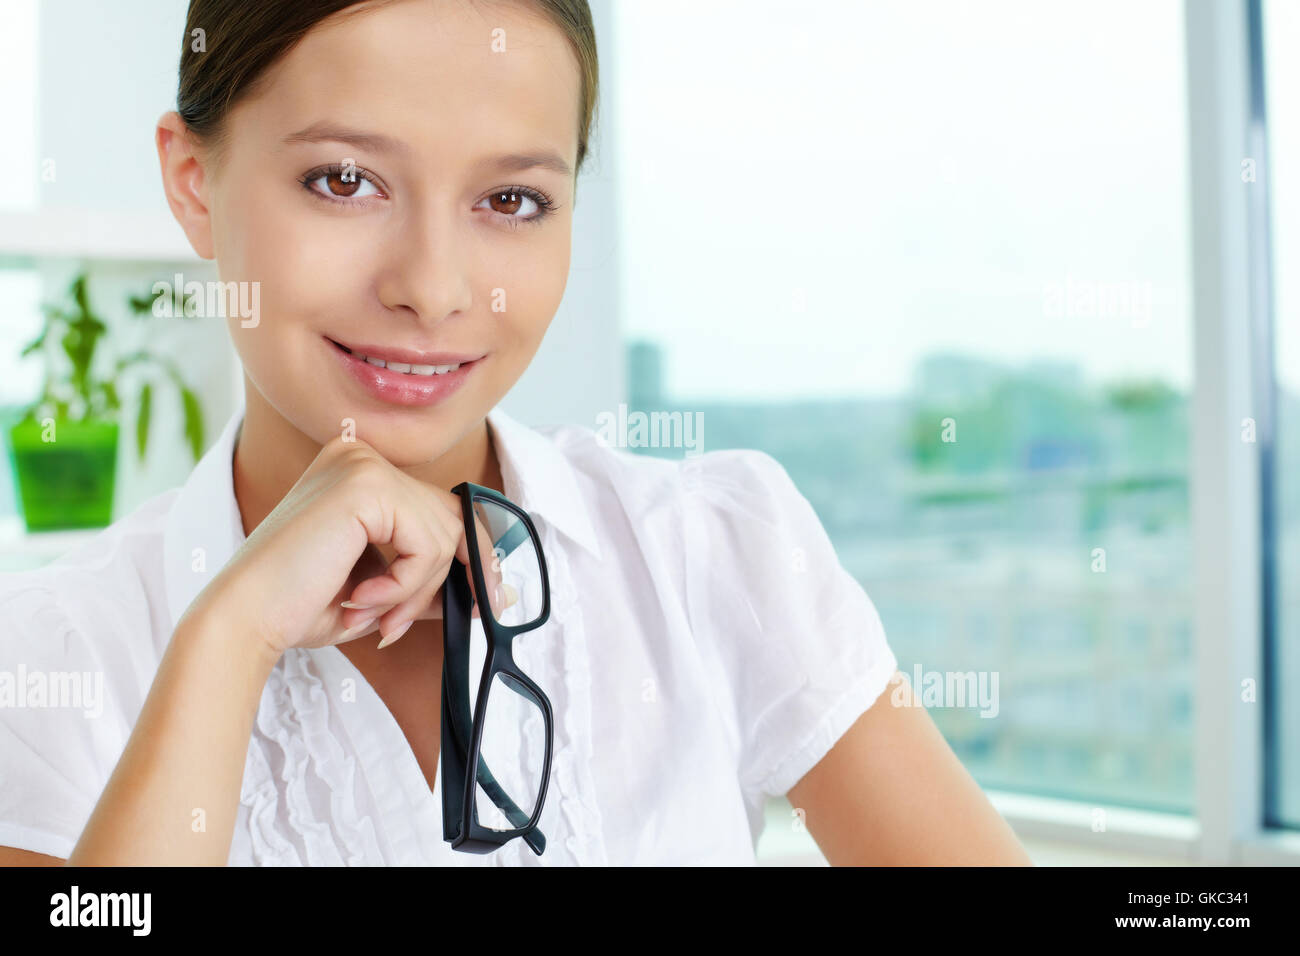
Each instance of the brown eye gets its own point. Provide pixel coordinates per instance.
(336, 184)
(519, 204)
(509, 202)
(340, 183)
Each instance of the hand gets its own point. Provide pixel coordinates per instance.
(320, 548)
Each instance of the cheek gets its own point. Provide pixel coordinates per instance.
(268, 238)
(296, 259)
(536, 287)
(278, 244)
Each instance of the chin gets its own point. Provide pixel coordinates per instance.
(408, 442)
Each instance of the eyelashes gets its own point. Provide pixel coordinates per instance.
(359, 177)
(544, 203)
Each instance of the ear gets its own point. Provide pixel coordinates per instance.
(184, 181)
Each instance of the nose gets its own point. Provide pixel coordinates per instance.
(426, 269)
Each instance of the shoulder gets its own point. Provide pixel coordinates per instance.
(651, 487)
(79, 646)
(637, 485)
(104, 598)
(755, 550)
(717, 509)
(727, 530)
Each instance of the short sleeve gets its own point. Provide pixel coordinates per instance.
(61, 730)
(798, 649)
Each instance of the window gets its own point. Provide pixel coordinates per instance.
(934, 257)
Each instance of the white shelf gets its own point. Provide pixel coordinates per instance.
(66, 232)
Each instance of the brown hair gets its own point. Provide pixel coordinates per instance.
(244, 38)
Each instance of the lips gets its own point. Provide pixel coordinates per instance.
(410, 357)
(407, 356)
(404, 388)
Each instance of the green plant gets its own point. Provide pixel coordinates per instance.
(77, 395)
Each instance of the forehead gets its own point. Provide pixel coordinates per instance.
(438, 74)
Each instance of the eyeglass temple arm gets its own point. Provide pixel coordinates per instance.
(456, 736)
(460, 723)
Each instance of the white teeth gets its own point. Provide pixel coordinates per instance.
(409, 369)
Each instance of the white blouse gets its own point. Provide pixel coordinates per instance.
(705, 649)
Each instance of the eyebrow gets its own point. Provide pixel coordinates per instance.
(379, 143)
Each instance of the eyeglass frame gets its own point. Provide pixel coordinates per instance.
(459, 808)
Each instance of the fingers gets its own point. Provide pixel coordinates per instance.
(423, 548)
(366, 622)
(422, 580)
(392, 621)
(405, 591)
(396, 622)
(425, 529)
(450, 517)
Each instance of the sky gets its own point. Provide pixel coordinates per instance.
(811, 202)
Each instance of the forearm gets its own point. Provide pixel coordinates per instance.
(173, 797)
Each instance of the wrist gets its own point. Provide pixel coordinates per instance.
(219, 619)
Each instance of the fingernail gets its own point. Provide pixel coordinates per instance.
(396, 634)
(511, 594)
(360, 626)
(354, 606)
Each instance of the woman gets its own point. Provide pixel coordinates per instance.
(398, 179)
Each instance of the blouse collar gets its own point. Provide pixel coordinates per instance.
(204, 527)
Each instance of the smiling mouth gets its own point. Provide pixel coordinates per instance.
(415, 370)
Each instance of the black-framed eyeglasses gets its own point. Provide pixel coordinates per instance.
(495, 763)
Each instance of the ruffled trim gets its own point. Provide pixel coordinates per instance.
(292, 740)
(571, 788)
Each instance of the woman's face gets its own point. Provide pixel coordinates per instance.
(435, 243)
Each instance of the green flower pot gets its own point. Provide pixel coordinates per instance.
(68, 482)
